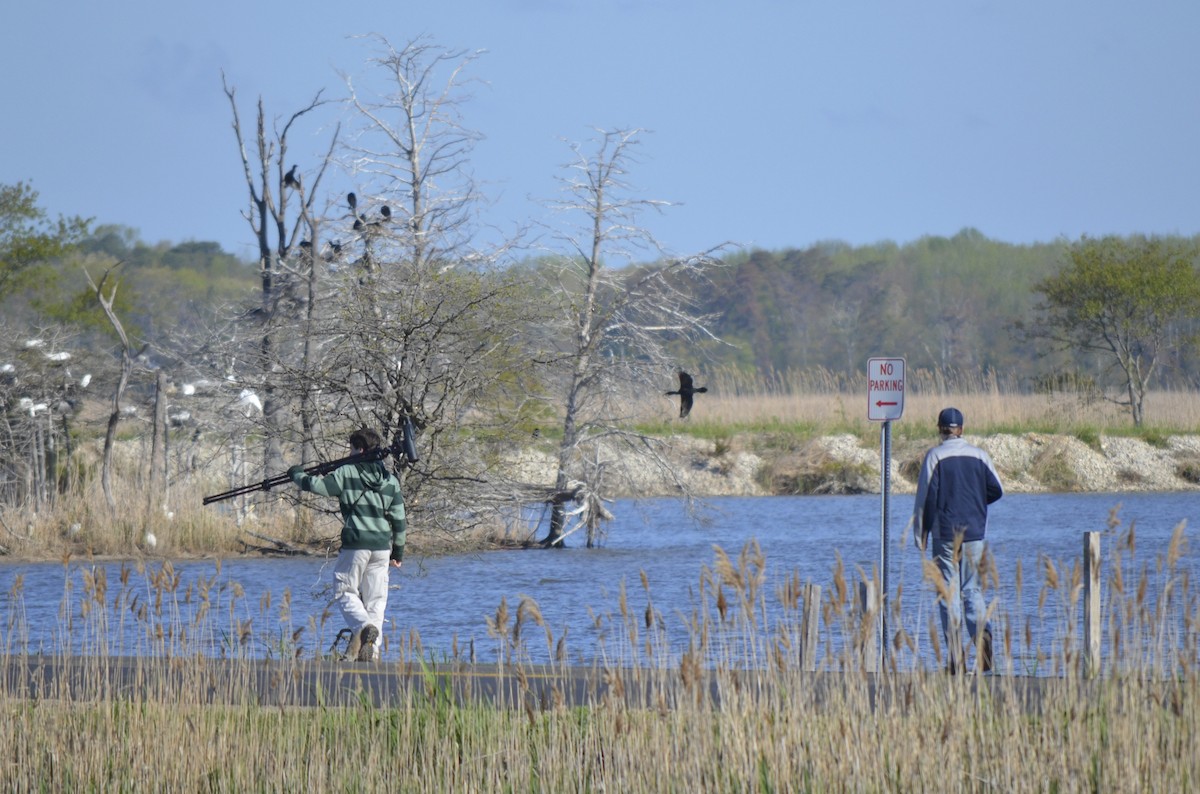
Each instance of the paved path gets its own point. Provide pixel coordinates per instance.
(329, 683)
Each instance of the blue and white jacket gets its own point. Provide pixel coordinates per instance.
(957, 483)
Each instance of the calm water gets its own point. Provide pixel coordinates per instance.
(257, 605)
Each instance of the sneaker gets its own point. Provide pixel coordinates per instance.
(366, 643)
(352, 645)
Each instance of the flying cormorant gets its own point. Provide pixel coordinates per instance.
(686, 390)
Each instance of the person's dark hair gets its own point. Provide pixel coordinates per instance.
(365, 439)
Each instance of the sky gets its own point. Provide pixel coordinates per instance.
(770, 123)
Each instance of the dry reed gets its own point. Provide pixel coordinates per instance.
(730, 708)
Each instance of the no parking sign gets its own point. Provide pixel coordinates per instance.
(885, 389)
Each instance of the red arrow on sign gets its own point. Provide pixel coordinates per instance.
(881, 402)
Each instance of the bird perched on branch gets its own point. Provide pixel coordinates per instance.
(352, 200)
(686, 390)
(290, 179)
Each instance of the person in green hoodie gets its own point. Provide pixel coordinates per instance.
(373, 535)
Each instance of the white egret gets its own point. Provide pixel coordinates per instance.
(248, 401)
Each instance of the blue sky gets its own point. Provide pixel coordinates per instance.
(772, 123)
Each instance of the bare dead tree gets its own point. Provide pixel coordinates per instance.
(286, 241)
(414, 148)
(421, 325)
(156, 483)
(128, 359)
(613, 324)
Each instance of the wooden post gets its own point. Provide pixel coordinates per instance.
(867, 627)
(1091, 602)
(810, 626)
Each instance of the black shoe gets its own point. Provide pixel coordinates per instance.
(985, 651)
(366, 648)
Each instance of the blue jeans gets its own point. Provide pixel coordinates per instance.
(963, 581)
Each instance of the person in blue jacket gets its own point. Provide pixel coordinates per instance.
(955, 487)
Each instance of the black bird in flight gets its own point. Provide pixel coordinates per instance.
(686, 390)
(290, 179)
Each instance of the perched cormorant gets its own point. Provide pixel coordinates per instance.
(686, 390)
(386, 212)
(352, 200)
(290, 179)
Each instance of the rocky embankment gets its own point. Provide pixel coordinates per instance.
(843, 464)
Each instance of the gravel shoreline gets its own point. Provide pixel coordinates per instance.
(842, 464)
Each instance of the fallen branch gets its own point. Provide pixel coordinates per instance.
(281, 545)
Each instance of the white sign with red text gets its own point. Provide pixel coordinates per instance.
(885, 389)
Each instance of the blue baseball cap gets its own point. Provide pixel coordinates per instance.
(950, 417)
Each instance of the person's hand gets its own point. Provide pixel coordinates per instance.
(395, 563)
(295, 471)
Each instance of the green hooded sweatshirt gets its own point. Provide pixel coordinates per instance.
(371, 504)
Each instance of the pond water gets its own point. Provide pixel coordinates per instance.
(654, 552)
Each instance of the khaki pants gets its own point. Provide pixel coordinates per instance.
(361, 587)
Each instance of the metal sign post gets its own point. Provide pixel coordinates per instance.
(885, 403)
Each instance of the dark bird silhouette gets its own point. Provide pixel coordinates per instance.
(386, 212)
(686, 390)
(352, 200)
(290, 179)
(359, 224)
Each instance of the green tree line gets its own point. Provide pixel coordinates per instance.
(944, 303)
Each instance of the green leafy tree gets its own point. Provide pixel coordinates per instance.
(29, 239)
(1133, 301)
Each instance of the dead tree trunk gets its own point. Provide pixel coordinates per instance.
(127, 359)
(157, 478)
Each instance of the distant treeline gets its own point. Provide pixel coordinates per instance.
(944, 303)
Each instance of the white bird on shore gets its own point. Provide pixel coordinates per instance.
(33, 408)
(249, 402)
(149, 540)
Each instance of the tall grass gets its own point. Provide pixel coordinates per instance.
(732, 709)
(992, 403)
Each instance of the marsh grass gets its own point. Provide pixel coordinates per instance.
(730, 708)
(825, 403)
